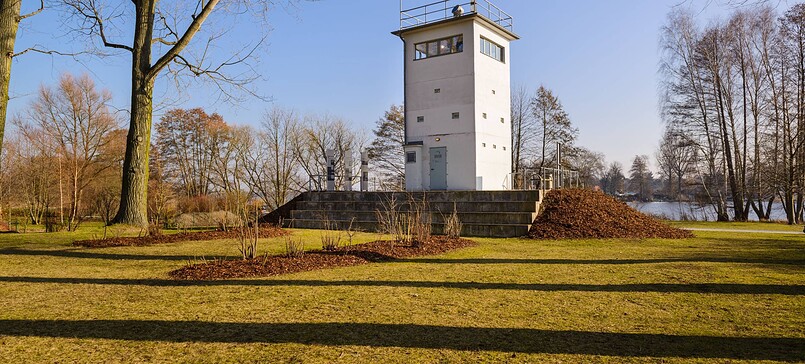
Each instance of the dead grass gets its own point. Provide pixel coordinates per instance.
(717, 297)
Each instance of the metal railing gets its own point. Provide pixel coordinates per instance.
(545, 179)
(442, 10)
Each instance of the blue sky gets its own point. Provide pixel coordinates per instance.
(339, 58)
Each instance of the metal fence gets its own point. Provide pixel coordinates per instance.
(545, 179)
(442, 10)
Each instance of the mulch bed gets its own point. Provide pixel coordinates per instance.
(266, 231)
(586, 214)
(378, 251)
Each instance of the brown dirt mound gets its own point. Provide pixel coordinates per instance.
(586, 214)
(378, 251)
(265, 232)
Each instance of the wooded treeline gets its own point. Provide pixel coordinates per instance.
(734, 109)
(62, 163)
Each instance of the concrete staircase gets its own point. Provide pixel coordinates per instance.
(482, 213)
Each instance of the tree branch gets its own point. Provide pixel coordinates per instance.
(37, 11)
(92, 13)
(183, 41)
(37, 50)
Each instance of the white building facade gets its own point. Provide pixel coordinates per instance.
(458, 103)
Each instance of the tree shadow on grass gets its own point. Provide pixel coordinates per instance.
(419, 336)
(82, 254)
(376, 257)
(711, 288)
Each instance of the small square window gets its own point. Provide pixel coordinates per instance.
(484, 115)
(504, 148)
(502, 120)
(420, 119)
(437, 90)
(483, 145)
(494, 146)
(455, 115)
(410, 157)
(493, 92)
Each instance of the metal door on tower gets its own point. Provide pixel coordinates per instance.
(438, 168)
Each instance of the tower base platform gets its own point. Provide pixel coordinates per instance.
(482, 213)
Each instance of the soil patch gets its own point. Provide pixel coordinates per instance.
(378, 251)
(586, 214)
(266, 231)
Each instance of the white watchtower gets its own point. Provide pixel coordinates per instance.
(457, 95)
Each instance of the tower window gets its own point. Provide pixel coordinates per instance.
(493, 50)
(455, 115)
(502, 120)
(483, 145)
(439, 47)
(494, 146)
(420, 119)
(493, 92)
(437, 90)
(484, 115)
(504, 148)
(410, 157)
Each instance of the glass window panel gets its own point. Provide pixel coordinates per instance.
(433, 49)
(458, 43)
(444, 46)
(421, 50)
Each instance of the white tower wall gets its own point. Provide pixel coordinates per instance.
(465, 83)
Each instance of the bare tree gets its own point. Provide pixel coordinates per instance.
(554, 124)
(187, 141)
(74, 119)
(675, 158)
(163, 30)
(317, 136)
(613, 180)
(272, 165)
(589, 164)
(524, 129)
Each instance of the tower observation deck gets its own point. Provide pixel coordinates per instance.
(434, 12)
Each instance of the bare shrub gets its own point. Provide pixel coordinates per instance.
(351, 231)
(452, 224)
(247, 242)
(420, 221)
(153, 230)
(410, 227)
(390, 219)
(330, 236)
(294, 247)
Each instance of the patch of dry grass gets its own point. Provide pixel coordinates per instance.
(712, 298)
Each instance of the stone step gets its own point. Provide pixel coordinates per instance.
(438, 196)
(467, 230)
(482, 213)
(443, 207)
(437, 217)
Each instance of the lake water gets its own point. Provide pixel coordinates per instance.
(675, 211)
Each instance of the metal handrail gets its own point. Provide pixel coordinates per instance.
(441, 10)
(545, 179)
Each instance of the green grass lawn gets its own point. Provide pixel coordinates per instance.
(717, 297)
(770, 226)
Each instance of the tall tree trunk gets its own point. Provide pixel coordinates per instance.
(9, 23)
(134, 194)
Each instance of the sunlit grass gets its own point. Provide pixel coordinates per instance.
(715, 297)
(750, 225)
